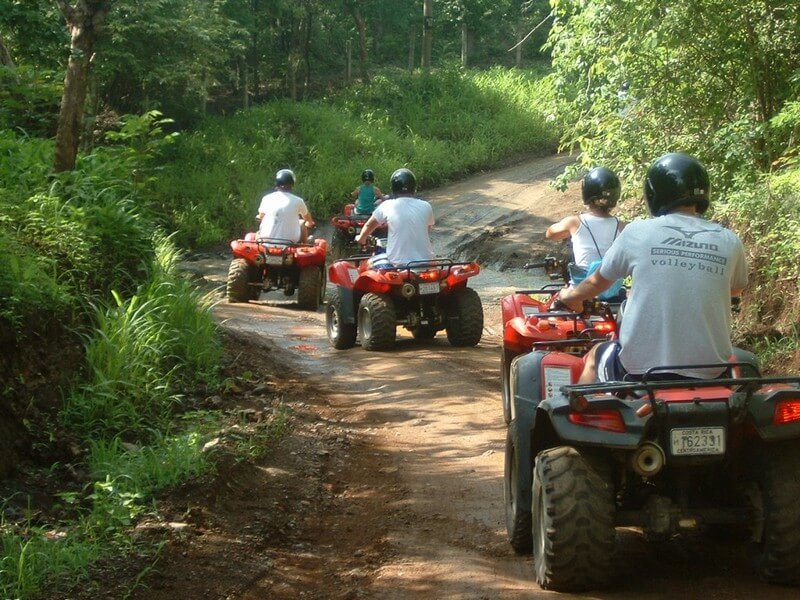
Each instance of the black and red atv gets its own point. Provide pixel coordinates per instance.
(667, 456)
(531, 322)
(264, 264)
(423, 296)
(346, 227)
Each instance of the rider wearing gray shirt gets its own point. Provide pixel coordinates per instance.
(685, 270)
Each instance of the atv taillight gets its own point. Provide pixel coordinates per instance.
(607, 420)
(603, 327)
(431, 275)
(786, 411)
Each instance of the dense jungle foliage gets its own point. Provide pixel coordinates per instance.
(191, 107)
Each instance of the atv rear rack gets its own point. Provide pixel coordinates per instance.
(634, 388)
(283, 242)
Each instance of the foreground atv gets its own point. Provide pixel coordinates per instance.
(346, 227)
(264, 264)
(664, 456)
(424, 297)
(531, 322)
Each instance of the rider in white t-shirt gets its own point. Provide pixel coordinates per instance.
(409, 220)
(685, 270)
(282, 214)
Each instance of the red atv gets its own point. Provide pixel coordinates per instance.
(422, 296)
(666, 456)
(346, 227)
(264, 264)
(530, 322)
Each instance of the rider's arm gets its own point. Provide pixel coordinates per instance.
(309, 220)
(378, 193)
(563, 229)
(590, 287)
(354, 193)
(370, 226)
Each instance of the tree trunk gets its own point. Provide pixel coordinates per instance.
(244, 81)
(518, 58)
(427, 34)
(464, 44)
(362, 40)
(307, 55)
(349, 46)
(412, 44)
(5, 56)
(84, 21)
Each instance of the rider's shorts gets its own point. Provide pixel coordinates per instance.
(609, 366)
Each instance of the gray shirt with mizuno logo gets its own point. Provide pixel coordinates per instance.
(679, 309)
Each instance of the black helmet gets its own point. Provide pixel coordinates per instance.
(368, 175)
(601, 186)
(676, 179)
(403, 182)
(284, 178)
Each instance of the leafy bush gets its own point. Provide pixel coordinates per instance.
(442, 126)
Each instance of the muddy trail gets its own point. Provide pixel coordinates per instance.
(389, 482)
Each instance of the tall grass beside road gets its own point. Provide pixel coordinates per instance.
(442, 125)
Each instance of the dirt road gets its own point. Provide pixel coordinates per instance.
(406, 447)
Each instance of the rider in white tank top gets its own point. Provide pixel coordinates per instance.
(593, 238)
(592, 232)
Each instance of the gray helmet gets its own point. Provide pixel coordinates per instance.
(284, 178)
(368, 175)
(676, 179)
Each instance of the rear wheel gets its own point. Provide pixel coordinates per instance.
(240, 275)
(377, 322)
(310, 292)
(517, 492)
(573, 521)
(341, 335)
(464, 318)
(505, 381)
(775, 548)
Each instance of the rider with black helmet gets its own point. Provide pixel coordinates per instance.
(367, 195)
(282, 214)
(685, 270)
(592, 232)
(409, 220)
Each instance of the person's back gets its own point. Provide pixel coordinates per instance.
(280, 211)
(683, 268)
(409, 221)
(367, 194)
(593, 237)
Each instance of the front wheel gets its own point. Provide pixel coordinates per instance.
(310, 288)
(505, 382)
(464, 318)
(573, 521)
(775, 547)
(517, 490)
(342, 335)
(377, 322)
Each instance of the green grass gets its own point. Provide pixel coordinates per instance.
(442, 126)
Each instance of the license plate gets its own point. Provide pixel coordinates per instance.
(429, 287)
(274, 260)
(702, 440)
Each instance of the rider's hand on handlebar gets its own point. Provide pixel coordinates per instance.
(564, 299)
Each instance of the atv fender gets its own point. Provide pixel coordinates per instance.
(512, 306)
(762, 408)
(516, 336)
(558, 409)
(343, 273)
(246, 249)
(348, 305)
